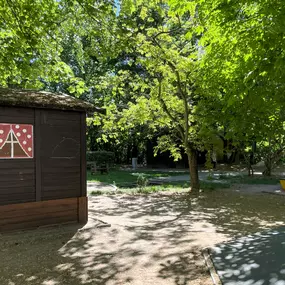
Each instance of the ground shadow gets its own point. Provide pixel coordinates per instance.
(56, 256)
(152, 239)
(254, 259)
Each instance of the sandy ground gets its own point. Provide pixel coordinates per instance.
(145, 239)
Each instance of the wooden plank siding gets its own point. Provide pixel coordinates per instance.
(45, 189)
(60, 154)
(17, 115)
(35, 214)
(17, 176)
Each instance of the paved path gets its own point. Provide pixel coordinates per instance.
(258, 189)
(256, 259)
(203, 175)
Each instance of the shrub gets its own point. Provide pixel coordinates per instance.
(142, 182)
(100, 157)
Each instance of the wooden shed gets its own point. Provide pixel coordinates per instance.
(42, 159)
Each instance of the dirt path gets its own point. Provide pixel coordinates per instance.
(137, 240)
(154, 244)
(151, 240)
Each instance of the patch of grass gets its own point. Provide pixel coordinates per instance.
(212, 185)
(205, 185)
(116, 176)
(127, 182)
(129, 176)
(97, 193)
(145, 190)
(175, 186)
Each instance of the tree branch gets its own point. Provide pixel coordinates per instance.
(166, 32)
(165, 109)
(87, 12)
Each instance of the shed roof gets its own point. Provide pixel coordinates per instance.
(42, 99)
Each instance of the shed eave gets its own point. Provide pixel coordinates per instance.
(45, 100)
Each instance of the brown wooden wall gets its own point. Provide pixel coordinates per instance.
(17, 176)
(42, 213)
(60, 157)
(58, 169)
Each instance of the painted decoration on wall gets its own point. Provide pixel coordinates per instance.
(16, 141)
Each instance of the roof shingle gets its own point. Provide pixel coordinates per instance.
(42, 99)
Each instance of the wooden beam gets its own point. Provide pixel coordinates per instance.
(83, 155)
(82, 210)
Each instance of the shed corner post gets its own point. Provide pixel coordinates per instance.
(83, 185)
(83, 200)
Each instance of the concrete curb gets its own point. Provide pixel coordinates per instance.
(210, 266)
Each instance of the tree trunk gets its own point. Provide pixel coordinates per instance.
(268, 167)
(250, 170)
(193, 168)
(267, 172)
(247, 158)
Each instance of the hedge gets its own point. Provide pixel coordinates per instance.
(100, 157)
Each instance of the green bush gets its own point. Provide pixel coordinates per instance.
(142, 182)
(100, 157)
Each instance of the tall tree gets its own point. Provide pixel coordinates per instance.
(33, 35)
(165, 94)
(243, 56)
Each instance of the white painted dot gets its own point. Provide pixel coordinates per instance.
(1, 132)
(24, 142)
(18, 134)
(17, 126)
(29, 149)
(24, 130)
(29, 136)
(1, 140)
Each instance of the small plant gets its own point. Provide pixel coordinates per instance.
(142, 182)
(97, 193)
